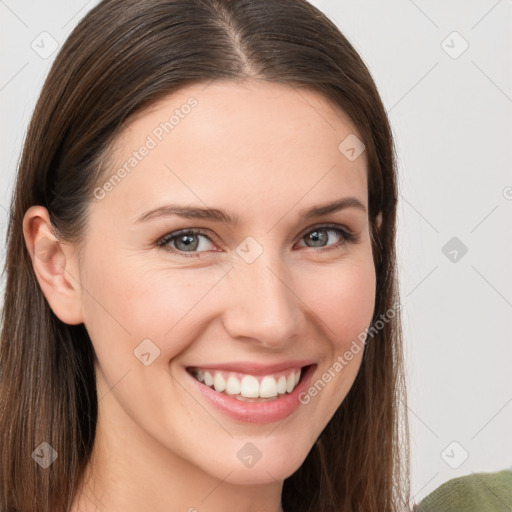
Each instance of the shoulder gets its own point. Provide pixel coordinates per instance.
(477, 492)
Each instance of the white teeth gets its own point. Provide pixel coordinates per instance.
(290, 382)
(249, 386)
(219, 382)
(233, 386)
(208, 379)
(281, 385)
(268, 387)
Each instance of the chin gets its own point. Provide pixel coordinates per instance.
(265, 467)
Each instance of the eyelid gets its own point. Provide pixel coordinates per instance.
(326, 226)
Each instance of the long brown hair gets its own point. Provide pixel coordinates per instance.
(124, 56)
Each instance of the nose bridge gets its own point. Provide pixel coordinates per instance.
(263, 306)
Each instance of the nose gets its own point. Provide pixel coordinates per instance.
(262, 304)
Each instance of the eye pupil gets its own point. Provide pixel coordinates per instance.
(188, 241)
(318, 235)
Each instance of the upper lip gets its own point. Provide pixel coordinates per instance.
(252, 368)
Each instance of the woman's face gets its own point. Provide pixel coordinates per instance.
(263, 296)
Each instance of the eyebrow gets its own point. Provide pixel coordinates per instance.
(218, 215)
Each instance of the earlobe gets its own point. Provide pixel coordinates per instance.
(379, 220)
(54, 266)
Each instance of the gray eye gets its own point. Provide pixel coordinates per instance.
(187, 242)
(317, 237)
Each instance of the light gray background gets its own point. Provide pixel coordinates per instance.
(451, 115)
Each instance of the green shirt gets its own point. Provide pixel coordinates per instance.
(477, 492)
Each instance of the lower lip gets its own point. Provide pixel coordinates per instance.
(256, 412)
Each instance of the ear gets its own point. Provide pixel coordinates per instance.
(55, 266)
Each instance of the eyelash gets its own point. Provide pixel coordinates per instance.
(348, 238)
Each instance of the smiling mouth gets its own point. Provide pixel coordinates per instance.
(249, 388)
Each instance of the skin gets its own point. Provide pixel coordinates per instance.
(264, 152)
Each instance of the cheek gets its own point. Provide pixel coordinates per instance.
(343, 299)
(344, 305)
(127, 303)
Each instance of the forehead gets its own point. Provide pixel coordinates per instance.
(236, 140)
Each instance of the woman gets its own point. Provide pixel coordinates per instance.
(201, 306)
